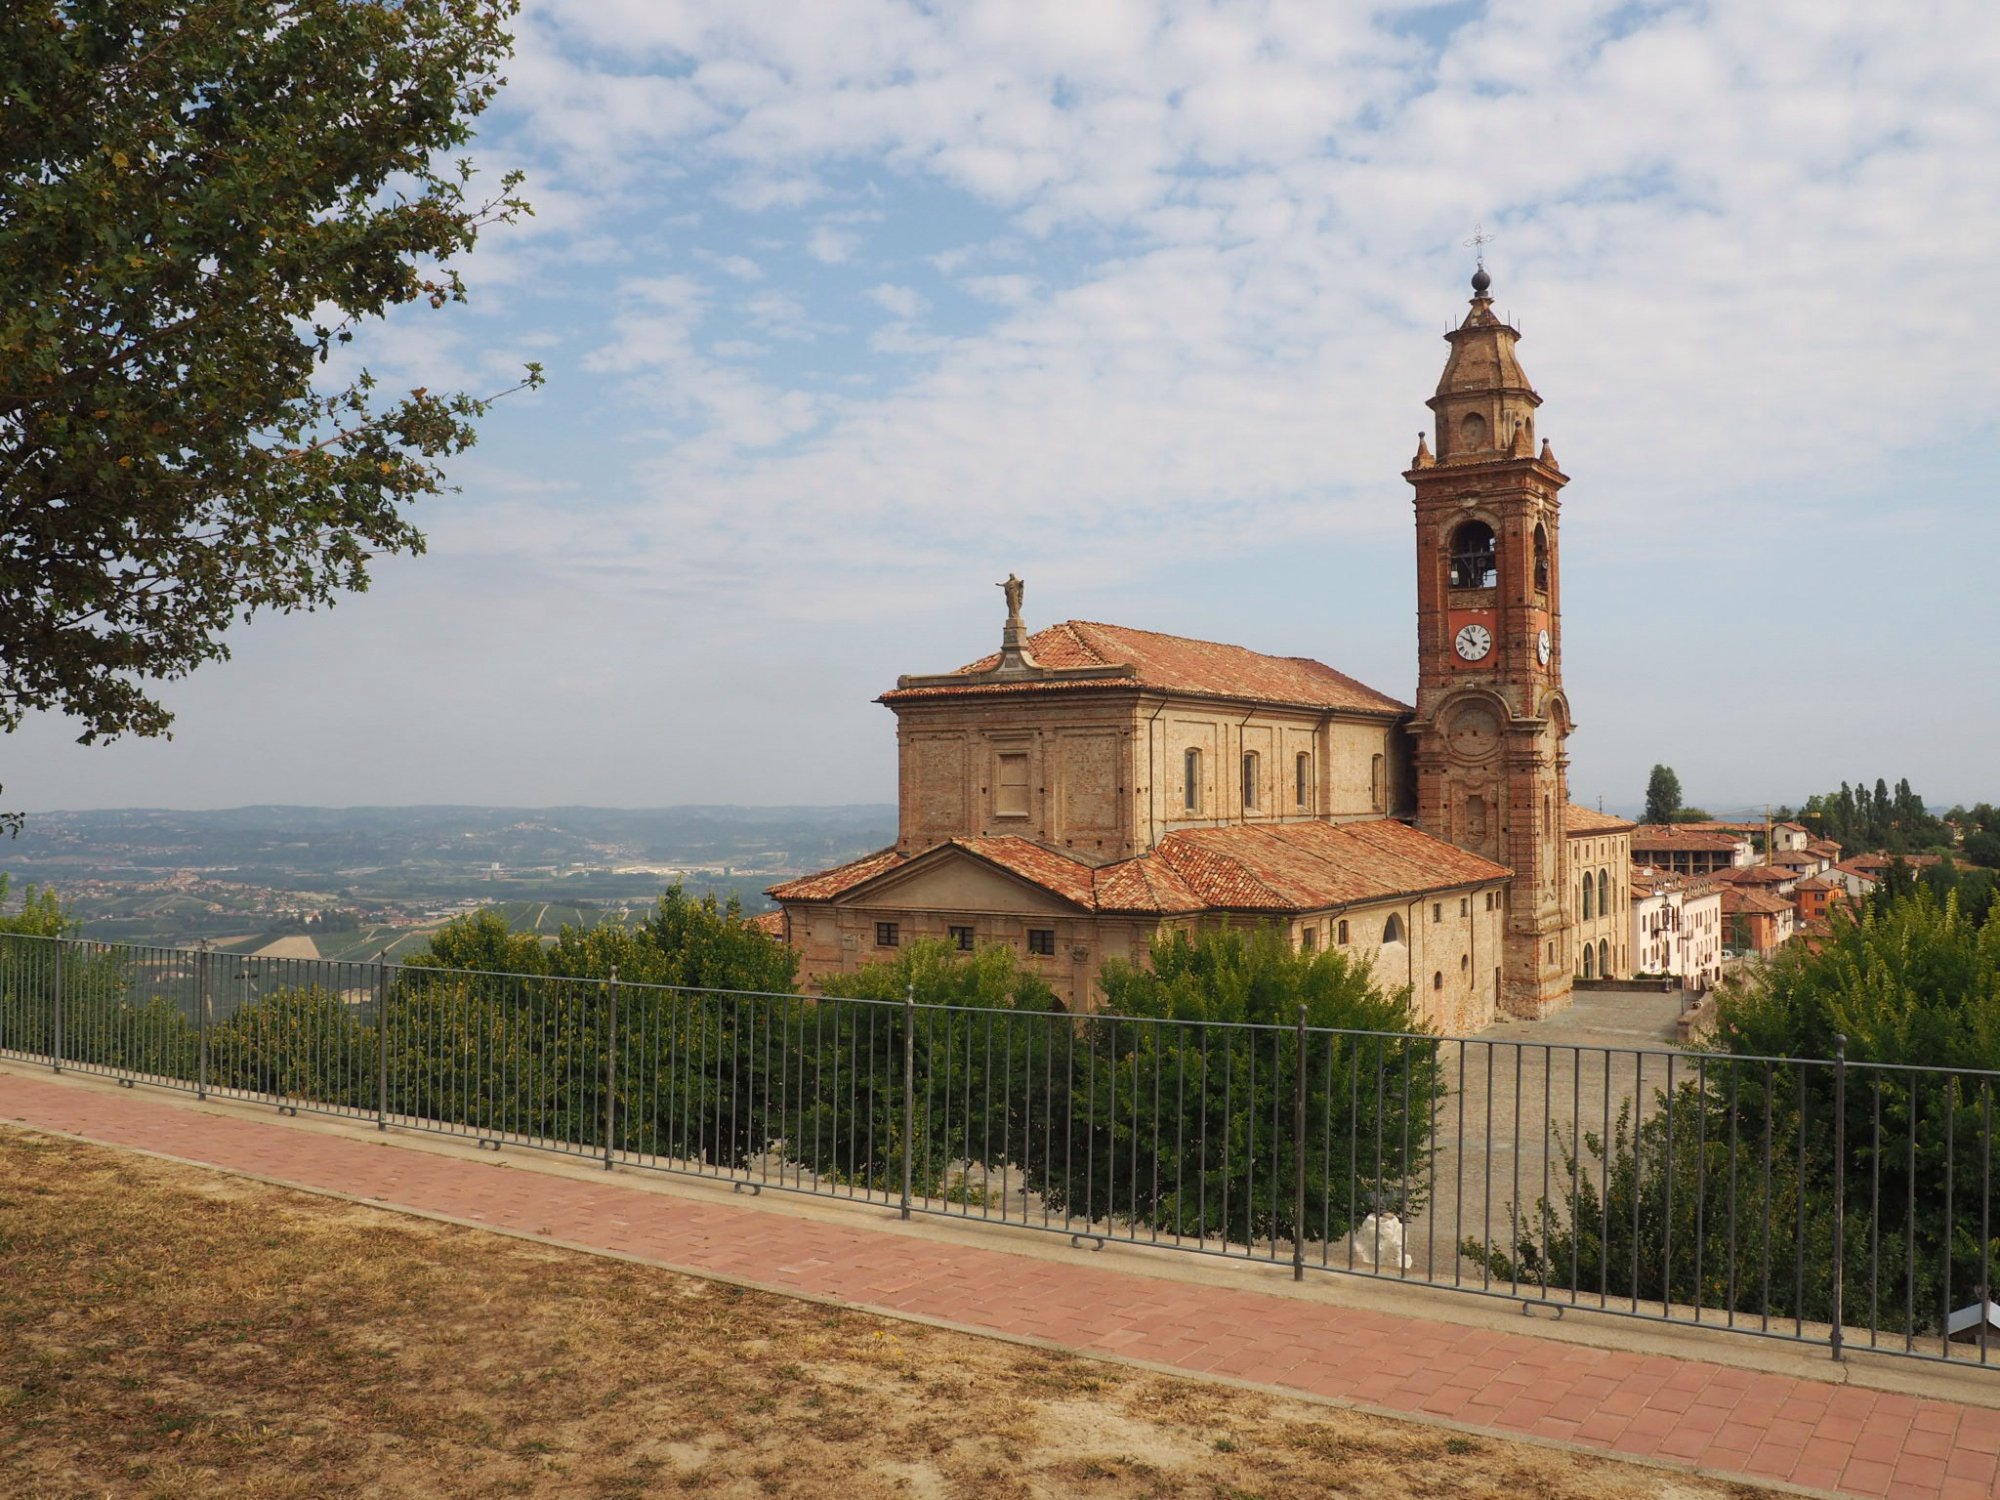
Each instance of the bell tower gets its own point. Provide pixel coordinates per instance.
(1491, 719)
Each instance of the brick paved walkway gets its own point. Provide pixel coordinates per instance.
(1820, 1435)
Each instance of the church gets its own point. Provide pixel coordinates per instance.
(1089, 786)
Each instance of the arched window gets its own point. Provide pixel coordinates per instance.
(1392, 930)
(1249, 780)
(1437, 980)
(1302, 780)
(1586, 898)
(1589, 966)
(1541, 557)
(1343, 932)
(1603, 959)
(1472, 431)
(1603, 892)
(1191, 781)
(1474, 561)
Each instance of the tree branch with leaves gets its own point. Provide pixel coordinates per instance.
(201, 201)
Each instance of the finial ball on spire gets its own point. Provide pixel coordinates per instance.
(1481, 281)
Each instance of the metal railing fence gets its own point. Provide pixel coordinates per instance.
(1844, 1203)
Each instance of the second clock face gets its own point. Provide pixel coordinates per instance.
(1542, 648)
(1472, 642)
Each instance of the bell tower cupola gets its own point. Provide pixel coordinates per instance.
(1485, 407)
(1491, 721)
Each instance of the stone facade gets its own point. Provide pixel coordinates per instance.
(1600, 852)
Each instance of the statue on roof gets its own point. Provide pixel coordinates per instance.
(1013, 588)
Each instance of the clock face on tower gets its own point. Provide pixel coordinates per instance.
(1542, 648)
(1472, 642)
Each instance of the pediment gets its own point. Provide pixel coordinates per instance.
(954, 880)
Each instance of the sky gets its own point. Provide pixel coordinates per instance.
(849, 308)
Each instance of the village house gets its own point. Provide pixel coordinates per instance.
(1677, 927)
(1600, 851)
(1683, 850)
(1756, 921)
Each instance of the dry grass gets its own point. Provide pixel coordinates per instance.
(172, 1332)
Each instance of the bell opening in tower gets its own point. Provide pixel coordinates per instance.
(1475, 560)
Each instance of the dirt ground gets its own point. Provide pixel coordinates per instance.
(167, 1331)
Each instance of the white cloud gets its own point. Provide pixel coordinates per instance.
(742, 267)
(831, 246)
(904, 302)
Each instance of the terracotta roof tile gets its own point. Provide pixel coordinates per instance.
(1281, 867)
(1753, 875)
(1679, 836)
(1311, 866)
(770, 923)
(1144, 885)
(1583, 820)
(830, 883)
(1736, 898)
(1066, 877)
(1169, 663)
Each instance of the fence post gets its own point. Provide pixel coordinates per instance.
(1839, 1187)
(909, 1088)
(1299, 1151)
(611, 1069)
(382, 1040)
(201, 1021)
(56, 1042)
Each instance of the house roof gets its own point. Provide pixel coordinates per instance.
(1649, 880)
(1279, 867)
(1582, 821)
(770, 923)
(1722, 825)
(1878, 864)
(1818, 883)
(1681, 836)
(1795, 858)
(1165, 663)
(1311, 866)
(1737, 898)
(1756, 875)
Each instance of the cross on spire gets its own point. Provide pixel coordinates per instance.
(1479, 241)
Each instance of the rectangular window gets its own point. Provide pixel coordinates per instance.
(1191, 780)
(1308, 939)
(1042, 940)
(1250, 781)
(1302, 779)
(1465, 906)
(1378, 783)
(961, 938)
(885, 935)
(1010, 792)
(1437, 911)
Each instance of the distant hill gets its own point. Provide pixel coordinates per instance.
(326, 841)
(357, 879)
